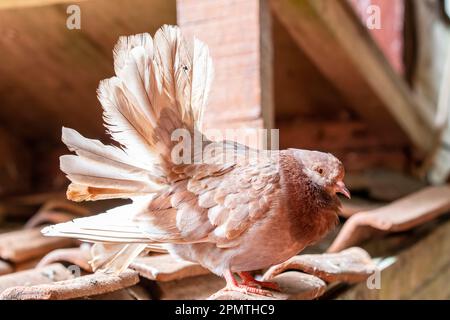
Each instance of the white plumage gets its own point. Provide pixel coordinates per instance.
(161, 84)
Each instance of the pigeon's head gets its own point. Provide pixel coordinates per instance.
(323, 169)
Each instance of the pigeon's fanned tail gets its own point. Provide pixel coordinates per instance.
(161, 85)
(103, 172)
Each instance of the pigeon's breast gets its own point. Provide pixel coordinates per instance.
(267, 242)
(293, 222)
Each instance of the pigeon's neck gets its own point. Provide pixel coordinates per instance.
(311, 208)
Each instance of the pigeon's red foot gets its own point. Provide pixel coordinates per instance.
(247, 286)
(249, 289)
(248, 280)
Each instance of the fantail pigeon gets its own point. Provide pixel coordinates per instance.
(235, 210)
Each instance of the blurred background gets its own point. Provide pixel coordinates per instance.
(367, 80)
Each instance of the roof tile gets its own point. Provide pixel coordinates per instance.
(26, 244)
(294, 286)
(351, 265)
(47, 274)
(163, 267)
(400, 215)
(135, 292)
(197, 288)
(78, 287)
(56, 211)
(77, 256)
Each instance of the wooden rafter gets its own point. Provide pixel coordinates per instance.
(334, 39)
(238, 34)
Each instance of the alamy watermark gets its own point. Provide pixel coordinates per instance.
(373, 21)
(74, 270)
(370, 14)
(73, 21)
(373, 282)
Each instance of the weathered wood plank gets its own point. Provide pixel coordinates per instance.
(50, 73)
(435, 288)
(401, 215)
(389, 36)
(238, 34)
(420, 271)
(301, 91)
(13, 4)
(332, 135)
(165, 268)
(23, 245)
(332, 36)
(196, 288)
(84, 286)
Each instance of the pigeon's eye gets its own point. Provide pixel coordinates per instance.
(320, 171)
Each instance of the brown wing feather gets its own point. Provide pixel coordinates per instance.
(215, 202)
(243, 197)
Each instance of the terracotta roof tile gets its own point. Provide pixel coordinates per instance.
(234, 295)
(163, 267)
(77, 256)
(173, 279)
(24, 206)
(400, 215)
(300, 286)
(5, 268)
(139, 292)
(132, 293)
(78, 287)
(351, 265)
(47, 274)
(56, 211)
(355, 205)
(26, 244)
(26, 265)
(196, 288)
(122, 294)
(294, 286)
(35, 199)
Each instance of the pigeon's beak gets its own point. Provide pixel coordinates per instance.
(341, 188)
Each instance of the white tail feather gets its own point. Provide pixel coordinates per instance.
(114, 258)
(161, 84)
(109, 227)
(102, 172)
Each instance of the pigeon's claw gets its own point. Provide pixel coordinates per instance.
(249, 289)
(245, 287)
(249, 280)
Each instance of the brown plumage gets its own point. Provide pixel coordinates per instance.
(238, 209)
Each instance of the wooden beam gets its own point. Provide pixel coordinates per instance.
(332, 36)
(351, 141)
(390, 36)
(419, 271)
(329, 135)
(238, 34)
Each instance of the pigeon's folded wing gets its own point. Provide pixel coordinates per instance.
(217, 202)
